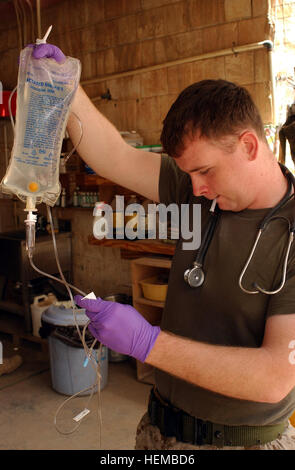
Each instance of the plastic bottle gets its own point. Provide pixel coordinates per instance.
(82, 199)
(92, 199)
(63, 201)
(75, 199)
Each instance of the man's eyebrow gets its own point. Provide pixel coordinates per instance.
(198, 168)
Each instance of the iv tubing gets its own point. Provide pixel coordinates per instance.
(77, 145)
(9, 106)
(88, 351)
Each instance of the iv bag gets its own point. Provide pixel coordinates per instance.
(45, 91)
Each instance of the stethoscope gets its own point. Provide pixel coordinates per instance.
(196, 276)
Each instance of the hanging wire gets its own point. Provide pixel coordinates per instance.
(32, 22)
(19, 28)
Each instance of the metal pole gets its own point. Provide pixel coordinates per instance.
(209, 55)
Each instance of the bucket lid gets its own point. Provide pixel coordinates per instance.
(61, 316)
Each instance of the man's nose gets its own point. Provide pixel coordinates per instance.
(199, 186)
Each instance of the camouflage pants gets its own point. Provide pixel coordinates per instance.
(148, 437)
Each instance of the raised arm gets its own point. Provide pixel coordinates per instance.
(102, 146)
(104, 150)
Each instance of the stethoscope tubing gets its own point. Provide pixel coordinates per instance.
(263, 291)
(285, 264)
(262, 226)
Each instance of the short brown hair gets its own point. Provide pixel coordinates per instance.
(215, 108)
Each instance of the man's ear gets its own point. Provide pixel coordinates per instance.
(249, 142)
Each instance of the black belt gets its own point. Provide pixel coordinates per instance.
(174, 422)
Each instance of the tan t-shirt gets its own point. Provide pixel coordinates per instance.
(219, 312)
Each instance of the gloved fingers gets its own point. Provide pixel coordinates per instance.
(49, 51)
(93, 331)
(93, 316)
(91, 305)
(77, 299)
(58, 55)
(42, 50)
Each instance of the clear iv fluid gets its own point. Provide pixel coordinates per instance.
(45, 91)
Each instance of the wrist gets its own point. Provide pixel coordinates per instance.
(156, 334)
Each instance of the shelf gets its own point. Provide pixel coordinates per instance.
(153, 303)
(94, 180)
(12, 307)
(154, 262)
(141, 246)
(151, 310)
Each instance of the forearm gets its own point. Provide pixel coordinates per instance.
(104, 150)
(244, 373)
(101, 141)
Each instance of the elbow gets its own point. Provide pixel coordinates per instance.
(277, 393)
(277, 380)
(273, 398)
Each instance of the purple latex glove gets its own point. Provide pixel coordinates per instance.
(119, 327)
(48, 50)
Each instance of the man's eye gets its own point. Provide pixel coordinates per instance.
(204, 172)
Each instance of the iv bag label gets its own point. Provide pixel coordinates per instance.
(40, 134)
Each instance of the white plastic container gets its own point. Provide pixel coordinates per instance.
(41, 303)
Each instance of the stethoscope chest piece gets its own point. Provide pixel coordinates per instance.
(194, 277)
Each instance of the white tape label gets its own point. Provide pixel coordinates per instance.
(90, 296)
(81, 415)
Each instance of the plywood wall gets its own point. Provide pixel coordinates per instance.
(114, 36)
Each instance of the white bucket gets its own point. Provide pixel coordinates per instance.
(41, 302)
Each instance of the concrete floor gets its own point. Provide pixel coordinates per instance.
(28, 406)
